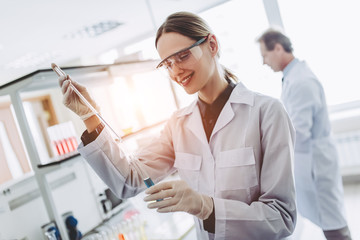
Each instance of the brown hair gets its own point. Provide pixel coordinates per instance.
(191, 26)
(272, 37)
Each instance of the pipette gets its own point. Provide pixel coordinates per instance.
(133, 161)
(60, 73)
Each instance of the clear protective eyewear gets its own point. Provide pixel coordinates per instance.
(183, 58)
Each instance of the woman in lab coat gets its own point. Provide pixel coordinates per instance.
(317, 174)
(232, 148)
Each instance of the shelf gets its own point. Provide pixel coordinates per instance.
(46, 78)
(57, 164)
(58, 161)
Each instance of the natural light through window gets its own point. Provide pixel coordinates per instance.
(237, 24)
(153, 90)
(328, 40)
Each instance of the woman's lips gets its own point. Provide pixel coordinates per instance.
(185, 81)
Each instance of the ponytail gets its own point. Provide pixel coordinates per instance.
(229, 75)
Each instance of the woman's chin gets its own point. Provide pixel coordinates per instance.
(190, 91)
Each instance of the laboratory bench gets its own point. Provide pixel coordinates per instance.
(134, 222)
(132, 218)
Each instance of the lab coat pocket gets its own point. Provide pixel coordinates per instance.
(188, 166)
(236, 169)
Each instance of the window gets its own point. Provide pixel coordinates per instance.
(13, 160)
(326, 35)
(134, 99)
(237, 24)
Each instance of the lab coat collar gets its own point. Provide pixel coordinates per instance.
(187, 110)
(194, 117)
(289, 67)
(240, 95)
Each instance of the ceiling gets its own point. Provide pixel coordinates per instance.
(35, 33)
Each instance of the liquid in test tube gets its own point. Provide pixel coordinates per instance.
(147, 180)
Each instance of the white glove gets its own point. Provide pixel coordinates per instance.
(178, 196)
(72, 101)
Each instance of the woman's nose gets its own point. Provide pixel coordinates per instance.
(176, 70)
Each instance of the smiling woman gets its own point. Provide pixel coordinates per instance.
(183, 59)
(227, 131)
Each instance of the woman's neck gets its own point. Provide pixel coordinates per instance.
(213, 88)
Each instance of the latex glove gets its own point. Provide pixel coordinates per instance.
(72, 101)
(178, 196)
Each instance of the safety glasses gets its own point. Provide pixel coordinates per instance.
(183, 58)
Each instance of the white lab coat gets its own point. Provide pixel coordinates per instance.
(317, 177)
(246, 167)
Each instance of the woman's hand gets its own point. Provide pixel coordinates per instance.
(178, 196)
(72, 101)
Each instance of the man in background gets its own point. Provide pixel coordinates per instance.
(318, 181)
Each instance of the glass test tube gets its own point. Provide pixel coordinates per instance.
(143, 174)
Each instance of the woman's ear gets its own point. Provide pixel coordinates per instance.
(214, 47)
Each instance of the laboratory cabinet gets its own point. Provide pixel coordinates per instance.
(43, 177)
(345, 122)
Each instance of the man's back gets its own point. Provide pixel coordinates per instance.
(304, 99)
(317, 176)
(316, 158)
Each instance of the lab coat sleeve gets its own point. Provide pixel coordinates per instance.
(107, 159)
(273, 215)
